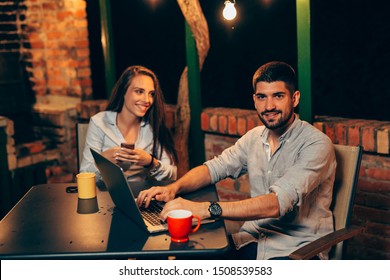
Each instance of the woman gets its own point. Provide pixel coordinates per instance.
(135, 115)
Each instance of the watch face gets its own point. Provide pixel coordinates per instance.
(215, 209)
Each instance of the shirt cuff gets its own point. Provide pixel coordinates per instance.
(286, 200)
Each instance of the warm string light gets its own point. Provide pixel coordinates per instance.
(229, 12)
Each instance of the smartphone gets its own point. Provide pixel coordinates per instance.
(127, 146)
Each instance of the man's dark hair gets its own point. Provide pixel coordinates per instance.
(275, 71)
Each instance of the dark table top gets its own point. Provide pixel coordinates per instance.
(47, 224)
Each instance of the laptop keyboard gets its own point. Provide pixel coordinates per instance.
(152, 213)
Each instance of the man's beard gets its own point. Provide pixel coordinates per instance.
(280, 123)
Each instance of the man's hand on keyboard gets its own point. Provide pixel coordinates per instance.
(165, 193)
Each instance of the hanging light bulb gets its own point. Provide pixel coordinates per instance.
(229, 12)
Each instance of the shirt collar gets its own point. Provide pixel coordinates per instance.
(111, 118)
(285, 135)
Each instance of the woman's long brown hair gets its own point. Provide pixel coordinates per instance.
(155, 115)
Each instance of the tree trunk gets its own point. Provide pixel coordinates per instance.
(193, 14)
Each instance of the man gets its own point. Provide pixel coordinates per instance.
(291, 167)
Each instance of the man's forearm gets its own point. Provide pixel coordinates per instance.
(264, 206)
(194, 179)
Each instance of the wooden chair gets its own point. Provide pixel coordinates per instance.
(81, 133)
(347, 173)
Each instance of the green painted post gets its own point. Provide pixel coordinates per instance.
(107, 45)
(196, 137)
(304, 59)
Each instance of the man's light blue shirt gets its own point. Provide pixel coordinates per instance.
(300, 172)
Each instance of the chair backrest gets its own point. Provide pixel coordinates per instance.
(81, 134)
(347, 173)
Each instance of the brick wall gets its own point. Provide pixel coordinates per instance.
(372, 202)
(223, 126)
(52, 37)
(26, 154)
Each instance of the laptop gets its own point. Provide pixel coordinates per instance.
(123, 197)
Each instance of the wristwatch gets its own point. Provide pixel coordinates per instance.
(215, 210)
(156, 166)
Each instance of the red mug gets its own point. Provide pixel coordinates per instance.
(180, 224)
